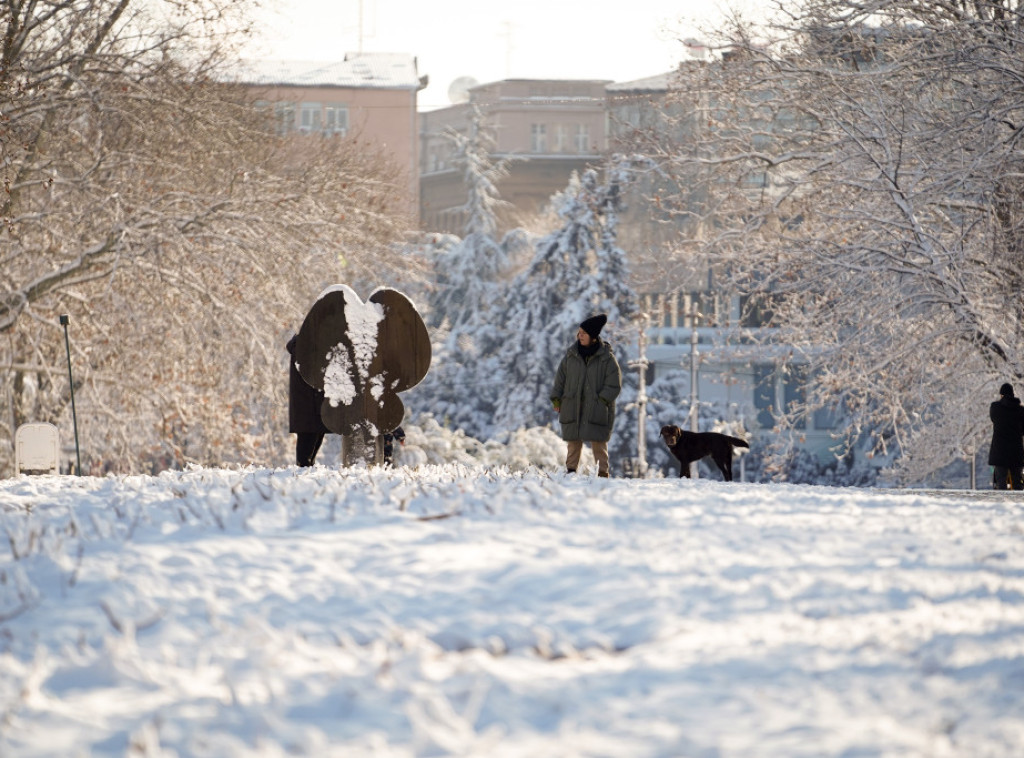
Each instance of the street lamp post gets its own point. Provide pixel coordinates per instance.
(641, 399)
(64, 321)
(694, 379)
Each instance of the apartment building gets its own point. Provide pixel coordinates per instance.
(368, 95)
(546, 128)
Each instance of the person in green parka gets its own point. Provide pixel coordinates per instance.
(586, 384)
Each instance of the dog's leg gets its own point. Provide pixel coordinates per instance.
(684, 470)
(723, 466)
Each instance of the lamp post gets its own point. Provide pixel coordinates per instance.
(64, 321)
(641, 364)
(694, 381)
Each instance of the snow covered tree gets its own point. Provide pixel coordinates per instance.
(857, 167)
(467, 273)
(468, 283)
(153, 203)
(577, 270)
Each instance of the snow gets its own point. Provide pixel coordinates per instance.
(362, 320)
(347, 291)
(339, 389)
(471, 611)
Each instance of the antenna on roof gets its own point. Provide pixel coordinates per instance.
(362, 34)
(360, 47)
(507, 28)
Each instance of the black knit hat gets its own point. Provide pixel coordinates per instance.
(594, 325)
(1006, 390)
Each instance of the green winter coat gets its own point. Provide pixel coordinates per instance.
(584, 392)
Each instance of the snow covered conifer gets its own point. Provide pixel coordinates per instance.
(460, 388)
(467, 271)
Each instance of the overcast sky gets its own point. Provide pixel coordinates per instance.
(600, 39)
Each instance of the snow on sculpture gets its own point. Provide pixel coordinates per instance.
(361, 355)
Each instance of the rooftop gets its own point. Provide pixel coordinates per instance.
(656, 83)
(376, 70)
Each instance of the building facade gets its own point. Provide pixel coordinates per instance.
(545, 128)
(371, 96)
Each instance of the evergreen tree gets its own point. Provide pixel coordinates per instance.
(467, 272)
(460, 390)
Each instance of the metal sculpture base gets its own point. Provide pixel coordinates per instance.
(362, 449)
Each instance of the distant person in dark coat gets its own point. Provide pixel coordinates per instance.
(304, 413)
(586, 384)
(1006, 453)
(396, 435)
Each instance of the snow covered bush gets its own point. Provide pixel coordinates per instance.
(429, 443)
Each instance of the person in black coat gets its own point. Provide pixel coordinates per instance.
(1006, 453)
(304, 413)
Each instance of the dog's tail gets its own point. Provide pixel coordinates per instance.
(737, 442)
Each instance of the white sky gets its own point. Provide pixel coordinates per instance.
(489, 41)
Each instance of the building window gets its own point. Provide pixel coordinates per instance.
(582, 138)
(795, 388)
(310, 118)
(561, 138)
(336, 120)
(268, 111)
(444, 153)
(764, 394)
(756, 310)
(756, 179)
(284, 117)
(539, 138)
(828, 417)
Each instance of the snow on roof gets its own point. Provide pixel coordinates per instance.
(377, 70)
(656, 83)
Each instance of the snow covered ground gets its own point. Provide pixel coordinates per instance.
(448, 610)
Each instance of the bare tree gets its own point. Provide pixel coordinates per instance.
(154, 204)
(858, 166)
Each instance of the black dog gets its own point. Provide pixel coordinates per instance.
(688, 447)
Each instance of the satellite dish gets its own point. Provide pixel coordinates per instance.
(458, 90)
(695, 48)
